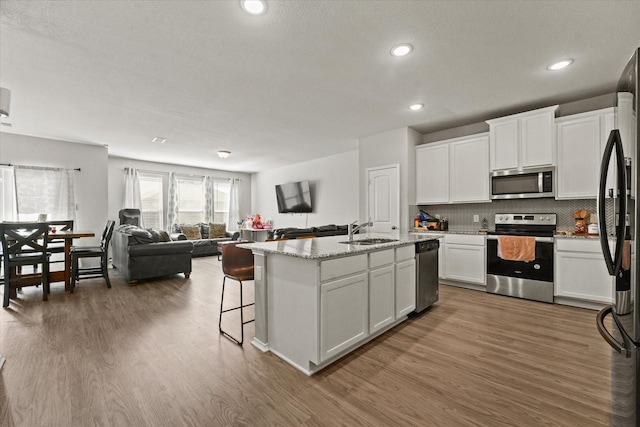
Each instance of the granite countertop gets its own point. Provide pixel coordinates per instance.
(330, 247)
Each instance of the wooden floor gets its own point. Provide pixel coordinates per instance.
(151, 355)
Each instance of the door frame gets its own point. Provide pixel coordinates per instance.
(395, 166)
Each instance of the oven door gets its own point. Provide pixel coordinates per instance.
(530, 280)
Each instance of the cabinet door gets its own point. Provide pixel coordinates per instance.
(432, 174)
(583, 276)
(579, 155)
(465, 263)
(442, 271)
(537, 139)
(470, 170)
(381, 298)
(504, 145)
(405, 287)
(344, 314)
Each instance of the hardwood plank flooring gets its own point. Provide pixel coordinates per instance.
(151, 355)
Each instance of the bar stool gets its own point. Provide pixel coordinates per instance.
(237, 264)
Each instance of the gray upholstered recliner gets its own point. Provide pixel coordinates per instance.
(129, 216)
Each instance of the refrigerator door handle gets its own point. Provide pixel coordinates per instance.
(619, 347)
(613, 143)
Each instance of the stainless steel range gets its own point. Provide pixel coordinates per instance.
(526, 273)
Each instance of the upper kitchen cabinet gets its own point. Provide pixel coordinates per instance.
(522, 140)
(453, 171)
(581, 139)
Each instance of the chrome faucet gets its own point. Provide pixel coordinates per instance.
(353, 228)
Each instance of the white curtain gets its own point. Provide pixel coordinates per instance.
(132, 198)
(209, 199)
(48, 191)
(7, 194)
(172, 203)
(234, 205)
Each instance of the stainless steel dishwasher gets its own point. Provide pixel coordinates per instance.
(426, 274)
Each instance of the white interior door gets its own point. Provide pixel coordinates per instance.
(383, 204)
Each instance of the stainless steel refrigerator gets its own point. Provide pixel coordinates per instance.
(620, 160)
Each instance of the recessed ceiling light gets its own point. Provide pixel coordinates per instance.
(254, 7)
(401, 49)
(223, 154)
(560, 65)
(416, 107)
(159, 140)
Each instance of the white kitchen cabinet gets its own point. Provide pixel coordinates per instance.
(581, 139)
(381, 289)
(344, 314)
(465, 258)
(469, 178)
(581, 272)
(432, 174)
(405, 290)
(453, 171)
(522, 140)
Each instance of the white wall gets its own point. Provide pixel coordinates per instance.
(334, 184)
(389, 148)
(116, 180)
(90, 184)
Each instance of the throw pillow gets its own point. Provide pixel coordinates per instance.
(164, 236)
(204, 230)
(191, 231)
(217, 231)
(141, 235)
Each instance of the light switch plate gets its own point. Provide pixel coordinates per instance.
(258, 272)
(476, 218)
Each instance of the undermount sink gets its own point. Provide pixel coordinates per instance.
(370, 241)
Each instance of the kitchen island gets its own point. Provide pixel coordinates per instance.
(319, 299)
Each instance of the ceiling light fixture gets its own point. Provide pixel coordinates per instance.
(401, 49)
(159, 140)
(223, 154)
(5, 102)
(416, 107)
(560, 65)
(254, 7)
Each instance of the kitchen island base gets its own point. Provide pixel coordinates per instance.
(313, 310)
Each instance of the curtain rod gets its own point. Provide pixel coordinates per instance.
(10, 164)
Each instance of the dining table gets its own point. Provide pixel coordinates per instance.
(68, 236)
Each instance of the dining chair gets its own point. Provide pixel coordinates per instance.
(102, 252)
(56, 245)
(237, 264)
(24, 244)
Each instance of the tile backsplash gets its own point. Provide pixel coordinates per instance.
(460, 216)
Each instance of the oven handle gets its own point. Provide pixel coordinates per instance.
(540, 239)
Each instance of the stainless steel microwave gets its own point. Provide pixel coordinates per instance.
(523, 183)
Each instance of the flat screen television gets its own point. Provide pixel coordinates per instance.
(294, 197)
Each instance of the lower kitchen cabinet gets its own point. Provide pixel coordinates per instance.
(344, 314)
(381, 297)
(464, 258)
(581, 272)
(405, 289)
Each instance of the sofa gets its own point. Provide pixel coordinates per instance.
(199, 234)
(322, 231)
(140, 254)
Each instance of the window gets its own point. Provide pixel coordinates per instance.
(221, 190)
(152, 201)
(190, 200)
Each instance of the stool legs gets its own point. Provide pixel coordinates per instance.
(240, 307)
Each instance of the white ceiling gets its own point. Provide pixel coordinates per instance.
(305, 80)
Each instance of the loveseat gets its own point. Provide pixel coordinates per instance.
(142, 254)
(201, 237)
(322, 231)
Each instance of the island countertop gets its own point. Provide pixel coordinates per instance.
(332, 246)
